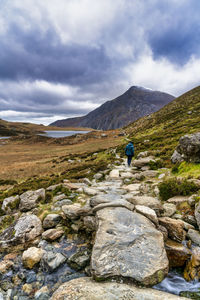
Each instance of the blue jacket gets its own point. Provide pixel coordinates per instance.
(129, 150)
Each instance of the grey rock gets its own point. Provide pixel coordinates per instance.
(53, 187)
(87, 289)
(142, 154)
(75, 211)
(114, 174)
(150, 173)
(90, 191)
(98, 176)
(96, 200)
(169, 209)
(176, 157)
(194, 236)
(127, 175)
(148, 201)
(79, 260)
(147, 212)
(197, 213)
(51, 261)
(29, 199)
(26, 229)
(63, 202)
(90, 223)
(135, 187)
(178, 199)
(189, 147)
(128, 245)
(51, 220)
(139, 163)
(52, 234)
(59, 197)
(118, 203)
(10, 203)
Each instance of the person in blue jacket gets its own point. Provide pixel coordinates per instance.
(129, 151)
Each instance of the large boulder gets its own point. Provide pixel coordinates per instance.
(29, 199)
(26, 229)
(188, 149)
(128, 245)
(87, 289)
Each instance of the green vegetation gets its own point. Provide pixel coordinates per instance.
(159, 132)
(175, 187)
(6, 222)
(186, 169)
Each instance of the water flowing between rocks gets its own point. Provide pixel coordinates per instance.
(55, 268)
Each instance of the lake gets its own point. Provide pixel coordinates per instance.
(62, 133)
(4, 137)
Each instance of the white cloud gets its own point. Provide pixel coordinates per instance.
(163, 75)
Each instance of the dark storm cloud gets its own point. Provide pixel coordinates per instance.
(55, 62)
(36, 55)
(176, 34)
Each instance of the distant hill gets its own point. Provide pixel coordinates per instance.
(161, 130)
(17, 128)
(135, 103)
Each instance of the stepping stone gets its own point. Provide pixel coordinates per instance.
(128, 245)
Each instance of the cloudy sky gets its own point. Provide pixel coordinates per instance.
(63, 58)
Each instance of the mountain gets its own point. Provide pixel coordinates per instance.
(135, 103)
(161, 131)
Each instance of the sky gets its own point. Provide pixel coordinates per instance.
(64, 58)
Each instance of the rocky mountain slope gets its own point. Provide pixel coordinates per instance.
(133, 104)
(161, 130)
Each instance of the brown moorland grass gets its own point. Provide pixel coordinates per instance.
(20, 160)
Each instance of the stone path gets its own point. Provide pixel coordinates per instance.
(127, 243)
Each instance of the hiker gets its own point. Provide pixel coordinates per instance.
(129, 151)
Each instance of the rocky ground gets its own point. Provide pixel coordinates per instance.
(113, 228)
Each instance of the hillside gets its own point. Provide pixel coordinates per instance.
(19, 128)
(132, 105)
(16, 128)
(161, 130)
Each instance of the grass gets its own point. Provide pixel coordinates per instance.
(159, 133)
(21, 160)
(187, 170)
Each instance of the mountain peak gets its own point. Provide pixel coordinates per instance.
(135, 103)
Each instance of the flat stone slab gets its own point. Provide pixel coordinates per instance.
(128, 245)
(178, 199)
(118, 203)
(148, 201)
(87, 289)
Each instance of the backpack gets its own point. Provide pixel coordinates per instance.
(129, 149)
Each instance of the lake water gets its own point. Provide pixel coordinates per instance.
(62, 133)
(4, 137)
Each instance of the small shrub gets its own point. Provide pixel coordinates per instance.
(174, 187)
(155, 165)
(175, 168)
